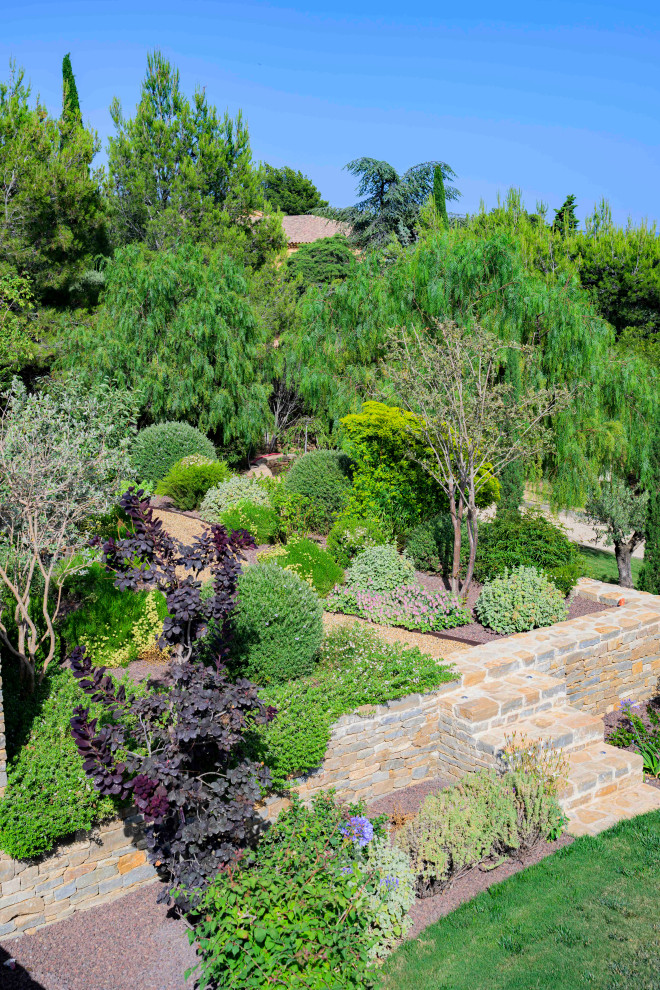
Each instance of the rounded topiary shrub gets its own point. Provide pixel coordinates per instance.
(380, 569)
(231, 493)
(324, 477)
(519, 600)
(277, 625)
(157, 448)
(431, 544)
(351, 534)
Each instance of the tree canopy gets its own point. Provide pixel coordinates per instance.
(178, 171)
(327, 260)
(391, 202)
(291, 192)
(177, 327)
(53, 223)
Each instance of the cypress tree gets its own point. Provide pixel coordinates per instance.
(649, 579)
(512, 478)
(71, 114)
(439, 197)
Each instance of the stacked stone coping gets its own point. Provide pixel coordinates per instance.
(94, 868)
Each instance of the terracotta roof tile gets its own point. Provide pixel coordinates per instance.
(305, 229)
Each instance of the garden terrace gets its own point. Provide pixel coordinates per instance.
(551, 685)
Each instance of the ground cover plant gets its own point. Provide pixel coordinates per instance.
(187, 484)
(309, 561)
(48, 796)
(320, 898)
(515, 539)
(158, 448)
(520, 600)
(584, 917)
(355, 668)
(640, 728)
(115, 626)
(276, 626)
(261, 522)
(408, 605)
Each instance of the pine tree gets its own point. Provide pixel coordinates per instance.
(565, 220)
(439, 197)
(71, 114)
(649, 579)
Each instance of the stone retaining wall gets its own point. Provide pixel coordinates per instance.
(96, 867)
(606, 656)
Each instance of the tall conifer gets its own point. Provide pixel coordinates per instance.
(71, 114)
(439, 196)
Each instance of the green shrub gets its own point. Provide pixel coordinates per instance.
(310, 909)
(187, 484)
(380, 569)
(520, 600)
(309, 561)
(49, 796)
(263, 523)
(323, 476)
(527, 539)
(277, 625)
(195, 459)
(115, 626)
(350, 534)
(299, 514)
(157, 448)
(355, 668)
(483, 816)
(229, 494)
(387, 482)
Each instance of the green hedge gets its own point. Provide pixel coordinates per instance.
(324, 477)
(527, 539)
(187, 484)
(309, 561)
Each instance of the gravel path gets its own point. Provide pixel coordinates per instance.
(130, 944)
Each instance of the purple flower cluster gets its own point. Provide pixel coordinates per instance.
(358, 829)
(409, 605)
(390, 883)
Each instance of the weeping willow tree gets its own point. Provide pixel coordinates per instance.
(177, 327)
(470, 276)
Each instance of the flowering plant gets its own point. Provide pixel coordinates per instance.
(358, 830)
(408, 605)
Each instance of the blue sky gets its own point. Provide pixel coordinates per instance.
(550, 97)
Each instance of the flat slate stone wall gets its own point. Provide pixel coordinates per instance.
(96, 867)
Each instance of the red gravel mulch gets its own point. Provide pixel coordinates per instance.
(613, 720)
(425, 911)
(130, 944)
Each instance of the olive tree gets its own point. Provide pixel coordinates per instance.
(63, 454)
(618, 513)
(469, 422)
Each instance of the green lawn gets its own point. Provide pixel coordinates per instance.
(587, 917)
(601, 566)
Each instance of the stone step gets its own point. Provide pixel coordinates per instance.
(598, 771)
(495, 703)
(560, 727)
(604, 812)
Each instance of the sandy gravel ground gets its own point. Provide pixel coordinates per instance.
(391, 634)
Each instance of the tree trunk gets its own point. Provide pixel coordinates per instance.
(623, 554)
(456, 519)
(472, 537)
